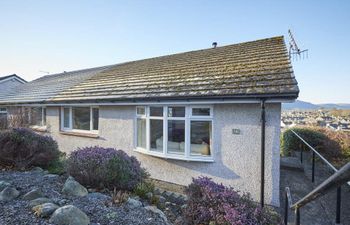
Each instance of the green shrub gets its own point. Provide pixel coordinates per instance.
(22, 148)
(58, 166)
(143, 188)
(333, 145)
(290, 142)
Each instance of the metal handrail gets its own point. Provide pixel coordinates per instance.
(314, 150)
(339, 178)
(335, 181)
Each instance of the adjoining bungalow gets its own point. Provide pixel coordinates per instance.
(6, 84)
(199, 113)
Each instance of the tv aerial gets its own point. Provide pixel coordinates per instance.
(295, 52)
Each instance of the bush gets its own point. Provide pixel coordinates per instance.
(99, 167)
(58, 166)
(209, 202)
(22, 148)
(143, 188)
(333, 145)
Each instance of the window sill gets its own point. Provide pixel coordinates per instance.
(42, 129)
(175, 157)
(79, 134)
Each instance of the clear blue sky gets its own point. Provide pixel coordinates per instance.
(55, 36)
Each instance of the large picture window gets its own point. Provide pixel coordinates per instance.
(178, 132)
(79, 119)
(36, 116)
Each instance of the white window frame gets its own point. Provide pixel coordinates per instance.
(188, 118)
(70, 128)
(43, 117)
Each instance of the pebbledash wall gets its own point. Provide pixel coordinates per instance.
(236, 157)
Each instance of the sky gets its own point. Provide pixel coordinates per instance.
(40, 37)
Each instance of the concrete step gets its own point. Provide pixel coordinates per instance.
(291, 163)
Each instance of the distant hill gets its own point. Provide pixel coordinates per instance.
(298, 104)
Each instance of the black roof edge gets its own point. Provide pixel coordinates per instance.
(13, 75)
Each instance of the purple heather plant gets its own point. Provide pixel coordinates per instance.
(22, 148)
(209, 202)
(99, 167)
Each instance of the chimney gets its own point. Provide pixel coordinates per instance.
(214, 44)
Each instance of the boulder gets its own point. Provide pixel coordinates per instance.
(4, 184)
(8, 194)
(157, 211)
(37, 170)
(72, 187)
(33, 194)
(44, 210)
(133, 203)
(69, 215)
(39, 201)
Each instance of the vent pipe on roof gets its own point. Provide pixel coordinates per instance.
(214, 44)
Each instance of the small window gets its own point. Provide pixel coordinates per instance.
(176, 111)
(80, 118)
(141, 111)
(200, 111)
(3, 110)
(156, 111)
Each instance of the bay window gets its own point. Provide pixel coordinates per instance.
(178, 132)
(82, 119)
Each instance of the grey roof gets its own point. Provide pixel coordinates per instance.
(46, 87)
(13, 75)
(247, 70)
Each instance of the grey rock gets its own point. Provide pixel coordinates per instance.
(4, 184)
(184, 206)
(37, 170)
(51, 176)
(149, 195)
(133, 203)
(39, 201)
(69, 215)
(157, 211)
(33, 194)
(98, 196)
(8, 194)
(73, 188)
(45, 210)
(168, 194)
(161, 199)
(167, 203)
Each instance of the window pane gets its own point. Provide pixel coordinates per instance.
(141, 133)
(200, 138)
(176, 111)
(156, 111)
(81, 118)
(36, 116)
(140, 110)
(2, 110)
(176, 136)
(95, 116)
(201, 112)
(156, 135)
(66, 117)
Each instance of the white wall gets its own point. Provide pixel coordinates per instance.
(237, 157)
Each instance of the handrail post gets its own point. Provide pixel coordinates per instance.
(286, 208)
(301, 153)
(337, 219)
(297, 216)
(313, 167)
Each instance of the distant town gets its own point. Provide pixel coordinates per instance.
(334, 119)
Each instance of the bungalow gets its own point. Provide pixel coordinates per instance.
(198, 113)
(6, 84)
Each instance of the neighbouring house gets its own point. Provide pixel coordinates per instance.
(6, 84)
(198, 113)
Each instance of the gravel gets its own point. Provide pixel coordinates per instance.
(94, 205)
